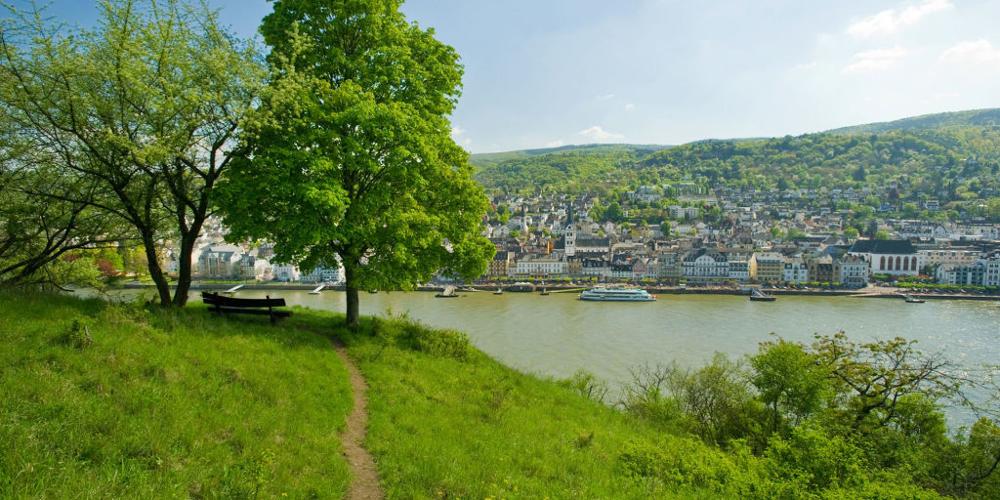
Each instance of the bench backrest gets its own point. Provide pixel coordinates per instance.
(215, 299)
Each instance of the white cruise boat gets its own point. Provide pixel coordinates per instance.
(602, 294)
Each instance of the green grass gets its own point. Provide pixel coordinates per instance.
(164, 404)
(183, 403)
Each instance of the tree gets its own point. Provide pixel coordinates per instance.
(613, 213)
(350, 157)
(144, 108)
(789, 380)
(882, 234)
(851, 233)
(665, 229)
(875, 376)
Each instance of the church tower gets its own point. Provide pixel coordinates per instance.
(570, 233)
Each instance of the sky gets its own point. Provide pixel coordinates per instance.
(545, 73)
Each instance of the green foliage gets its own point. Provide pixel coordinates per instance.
(956, 162)
(817, 458)
(789, 381)
(140, 125)
(587, 385)
(350, 157)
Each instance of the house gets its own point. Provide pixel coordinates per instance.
(540, 265)
(795, 271)
(892, 257)
(221, 261)
(769, 266)
(705, 266)
(821, 269)
(501, 265)
(285, 272)
(325, 274)
(852, 271)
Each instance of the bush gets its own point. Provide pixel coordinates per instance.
(78, 335)
(587, 385)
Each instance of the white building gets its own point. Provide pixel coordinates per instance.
(285, 272)
(893, 257)
(544, 265)
(704, 265)
(852, 271)
(795, 271)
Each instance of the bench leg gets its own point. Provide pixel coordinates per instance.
(270, 310)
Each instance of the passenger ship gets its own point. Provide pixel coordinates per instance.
(603, 294)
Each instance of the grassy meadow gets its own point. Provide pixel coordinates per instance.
(103, 400)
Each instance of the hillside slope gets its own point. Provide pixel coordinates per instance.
(184, 403)
(971, 118)
(164, 404)
(953, 157)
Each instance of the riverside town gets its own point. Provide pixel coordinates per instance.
(527, 249)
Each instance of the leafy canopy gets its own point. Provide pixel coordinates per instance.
(350, 154)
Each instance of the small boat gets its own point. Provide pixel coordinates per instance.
(233, 290)
(447, 293)
(913, 300)
(603, 294)
(499, 291)
(318, 289)
(758, 296)
(521, 286)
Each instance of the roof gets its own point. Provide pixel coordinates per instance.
(883, 247)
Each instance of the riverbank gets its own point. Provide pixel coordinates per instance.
(150, 403)
(870, 292)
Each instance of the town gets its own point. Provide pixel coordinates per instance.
(720, 237)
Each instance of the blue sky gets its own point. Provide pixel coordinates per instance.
(552, 72)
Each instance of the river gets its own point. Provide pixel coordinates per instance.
(556, 335)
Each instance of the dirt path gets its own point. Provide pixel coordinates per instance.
(364, 485)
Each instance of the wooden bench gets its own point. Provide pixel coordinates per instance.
(225, 305)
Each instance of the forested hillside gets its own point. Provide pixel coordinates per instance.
(952, 157)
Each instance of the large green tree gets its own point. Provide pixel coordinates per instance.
(350, 158)
(142, 109)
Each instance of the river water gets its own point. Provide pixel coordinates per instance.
(556, 335)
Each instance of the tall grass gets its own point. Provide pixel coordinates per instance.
(100, 400)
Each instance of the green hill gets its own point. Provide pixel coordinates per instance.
(951, 157)
(971, 118)
(103, 400)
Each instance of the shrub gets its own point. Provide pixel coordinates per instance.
(78, 335)
(587, 385)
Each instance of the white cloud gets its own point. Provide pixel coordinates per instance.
(875, 60)
(605, 97)
(598, 134)
(972, 52)
(629, 107)
(892, 21)
(555, 144)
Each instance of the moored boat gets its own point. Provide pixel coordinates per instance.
(758, 296)
(521, 286)
(499, 291)
(447, 293)
(603, 294)
(910, 299)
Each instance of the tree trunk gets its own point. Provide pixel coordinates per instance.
(155, 271)
(183, 273)
(184, 269)
(351, 286)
